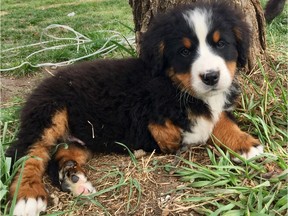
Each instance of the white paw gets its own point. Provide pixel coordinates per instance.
(253, 152)
(29, 207)
(82, 186)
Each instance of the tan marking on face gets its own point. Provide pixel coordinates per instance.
(183, 80)
(216, 36)
(187, 42)
(228, 134)
(31, 183)
(167, 136)
(231, 65)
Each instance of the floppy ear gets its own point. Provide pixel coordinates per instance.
(151, 53)
(152, 50)
(242, 34)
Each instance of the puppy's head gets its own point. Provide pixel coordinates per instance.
(199, 46)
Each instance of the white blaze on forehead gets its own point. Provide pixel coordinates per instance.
(199, 20)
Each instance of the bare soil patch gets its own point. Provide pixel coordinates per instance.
(20, 87)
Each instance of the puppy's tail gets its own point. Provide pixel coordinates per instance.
(273, 9)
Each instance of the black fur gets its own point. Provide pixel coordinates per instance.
(121, 97)
(170, 28)
(273, 9)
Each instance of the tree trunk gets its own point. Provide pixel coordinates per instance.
(145, 10)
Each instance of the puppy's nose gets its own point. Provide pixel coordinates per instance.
(210, 78)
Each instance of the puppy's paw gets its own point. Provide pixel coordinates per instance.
(30, 207)
(73, 179)
(254, 151)
(31, 195)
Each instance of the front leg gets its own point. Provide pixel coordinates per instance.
(228, 134)
(167, 136)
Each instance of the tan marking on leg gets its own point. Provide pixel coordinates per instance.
(228, 134)
(72, 175)
(167, 136)
(216, 36)
(31, 183)
(187, 42)
(73, 153)
(58, 128)
(231, 65)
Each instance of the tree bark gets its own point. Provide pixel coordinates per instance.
(145, 10)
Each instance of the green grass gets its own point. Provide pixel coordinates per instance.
(219, 188)
(229, 189)
(9, 122)
(277, 34)
(266, 108)
(24, 23)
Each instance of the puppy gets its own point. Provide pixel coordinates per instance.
(180, 90)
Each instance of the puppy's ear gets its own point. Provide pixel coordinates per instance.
(152, 50)
(242, 34)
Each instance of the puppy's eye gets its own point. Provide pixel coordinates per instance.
(185, 52)
(220, 44)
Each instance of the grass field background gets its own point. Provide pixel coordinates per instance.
(25, 23)
(204, 182)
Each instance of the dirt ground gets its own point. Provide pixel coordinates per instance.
(145, 189)
(160, 192)
(13, 87)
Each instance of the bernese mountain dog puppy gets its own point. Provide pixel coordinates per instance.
(180, 91)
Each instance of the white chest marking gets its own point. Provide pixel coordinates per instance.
(202, 127)
(200, 132)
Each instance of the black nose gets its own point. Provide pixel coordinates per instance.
(210, 77)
